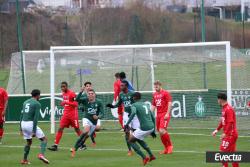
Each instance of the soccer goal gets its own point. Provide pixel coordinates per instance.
(193, 72)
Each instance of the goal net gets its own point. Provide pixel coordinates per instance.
(193, 72)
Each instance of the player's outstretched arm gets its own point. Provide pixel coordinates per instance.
(80, 98)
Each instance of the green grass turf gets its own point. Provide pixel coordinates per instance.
(189, 149)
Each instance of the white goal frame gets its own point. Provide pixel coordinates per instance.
(54, 49)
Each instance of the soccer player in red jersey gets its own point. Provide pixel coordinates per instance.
(117, 90)
(3, 106)
(162, 101)
(70, 114)
(228, 123)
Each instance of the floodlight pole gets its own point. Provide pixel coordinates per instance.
(20, 44)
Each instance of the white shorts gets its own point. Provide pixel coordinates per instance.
(27, 128)
(134, 124)
(140, 134)
(87, 122)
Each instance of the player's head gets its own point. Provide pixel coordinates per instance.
(88, 86)
(91, 95)
(64, 86)
(157, 86)
(137, 96)
(124, 85)
(122, 75)
(117, 75)
(222, 98)
(36, 94)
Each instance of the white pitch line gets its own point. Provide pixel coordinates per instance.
(104, 149)
(187, 134)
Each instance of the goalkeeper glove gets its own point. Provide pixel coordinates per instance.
(214, 132)
(153, 134)
(110, 106)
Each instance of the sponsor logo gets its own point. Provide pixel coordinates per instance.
(218, 157)
(46, 110)
(241, 102)
(200, 108)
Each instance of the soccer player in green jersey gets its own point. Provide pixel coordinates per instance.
(84, 91)
(147, 127)
(125, 98)
(29, 128)
(93, 110)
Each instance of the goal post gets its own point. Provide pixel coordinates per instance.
(156, 52)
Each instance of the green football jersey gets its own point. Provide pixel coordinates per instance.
(144, 115)
(92, 108)
(79, 98)
(30, 112)
(126, 99)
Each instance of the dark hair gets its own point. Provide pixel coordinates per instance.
(64, 83)
(125, 82)
(91, 90)
(87, 83)
(122, 75)
(137, 95)
(222, 96)
(35, 92)
(117, 75)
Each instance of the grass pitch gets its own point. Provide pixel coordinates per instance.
(190, 145)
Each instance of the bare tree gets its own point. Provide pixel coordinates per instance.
(82, 25)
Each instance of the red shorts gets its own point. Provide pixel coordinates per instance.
(228, 144)
(160, 122)
(68, 121)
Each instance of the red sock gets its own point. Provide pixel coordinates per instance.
(164, 142)
(1, 132)
(120, 117)
(235, 164)
(58, 137)
(225, 164)
(79, 132)
(167, 138)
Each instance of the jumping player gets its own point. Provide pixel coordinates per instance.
(29, 128)
(126, 99)
(3, 106)
(228, 123)
(117, 90)
(84, 94)
(70, 114)
(93, 111)
(162, 101)
(147, 127)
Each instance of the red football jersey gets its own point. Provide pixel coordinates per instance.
(161, 100)
(117, 88)
(69, 103)
(228, 121)
(3, 98)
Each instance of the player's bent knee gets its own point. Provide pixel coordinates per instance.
(60, 129)
(162, 131)
(44, 139)
(29, 142)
